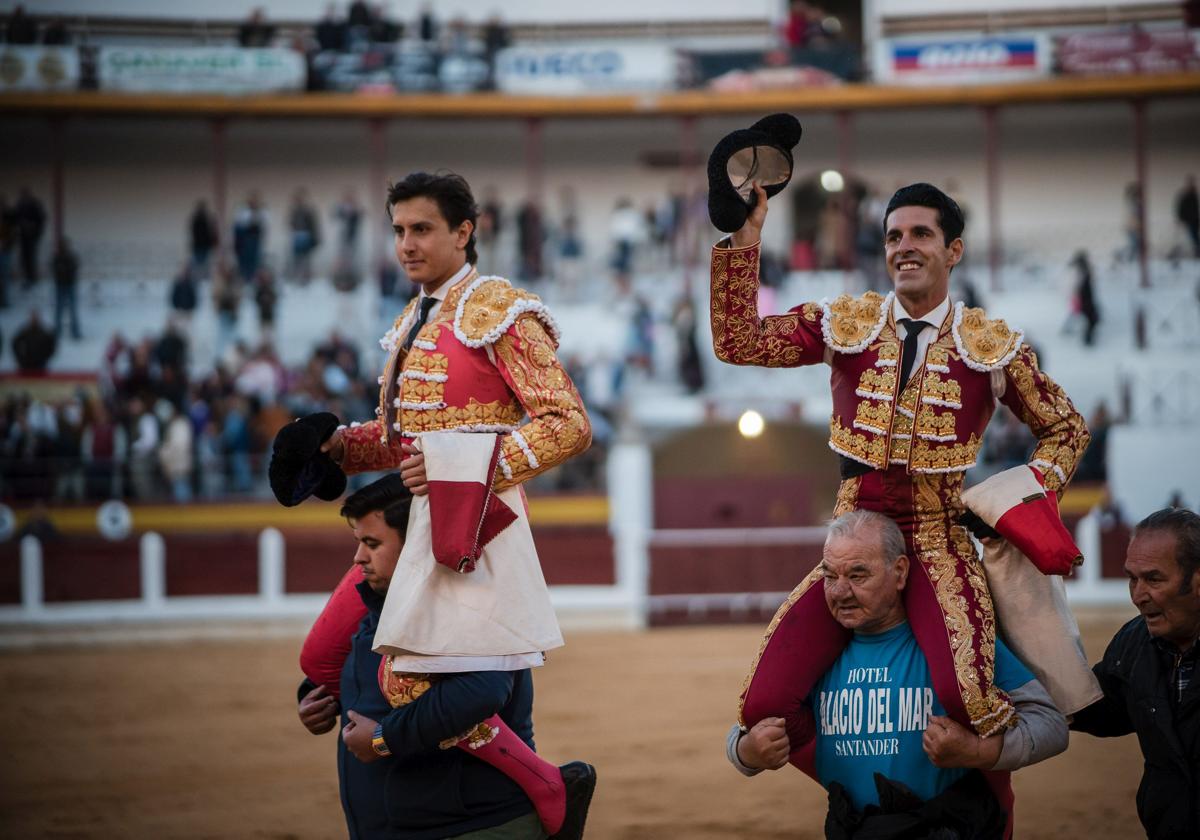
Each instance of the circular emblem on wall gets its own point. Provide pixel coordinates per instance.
(114, 520)
(51, 69)
(12, 68)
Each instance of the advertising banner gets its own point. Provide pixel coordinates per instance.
(199, 70)
(572, 69)
(1128, 51)
(962, 60)
(38, 68)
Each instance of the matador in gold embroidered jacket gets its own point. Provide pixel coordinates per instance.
(485, 362)
(907, 450)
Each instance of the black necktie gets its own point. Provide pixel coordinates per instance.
(425, 305)
(391, 389)
(910, 347)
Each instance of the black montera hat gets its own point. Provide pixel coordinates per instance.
(299, 468)
(762, 153)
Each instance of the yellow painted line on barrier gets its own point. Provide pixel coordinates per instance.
(560, 510)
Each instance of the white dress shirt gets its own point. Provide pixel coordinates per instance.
(440, 293)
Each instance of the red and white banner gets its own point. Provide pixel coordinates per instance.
(1128, 51)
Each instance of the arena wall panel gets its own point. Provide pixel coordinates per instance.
(211, 564)
(90, 569)
(10, 572)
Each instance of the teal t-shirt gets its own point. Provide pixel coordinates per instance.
(873, 706)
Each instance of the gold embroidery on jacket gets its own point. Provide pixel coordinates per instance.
(749, 340)
(1045, 408)
(559, 426)
(851, 319)
(943, 390)
(878, 381)
(985, 340)
(868, 449)
(954, 571)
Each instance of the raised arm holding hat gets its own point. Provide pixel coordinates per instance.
(915, 378)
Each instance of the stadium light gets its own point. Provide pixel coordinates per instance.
(832, 180)
(751, 424)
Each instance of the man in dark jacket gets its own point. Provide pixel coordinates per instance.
(1149, 677)
(66, 279)
(419, 791)
(30, 218)
(33, 345)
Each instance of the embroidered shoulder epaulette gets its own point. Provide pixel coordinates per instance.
(849, 324)
(490, 305)
(984, 343)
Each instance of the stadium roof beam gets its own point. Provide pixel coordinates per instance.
(851, 97)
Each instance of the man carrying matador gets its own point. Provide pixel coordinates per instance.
(915, 378)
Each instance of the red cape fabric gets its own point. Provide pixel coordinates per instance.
(464, 517)
(328, 642)
(1034, 526)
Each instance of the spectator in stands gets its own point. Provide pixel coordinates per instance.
(1083, 300)
(1007, 441)
(261, 377)
(184, 296)
(265, 298)
(1187, 212)
(627, 231)
(427, 26)
(330, 31)
(1093, 466)
(203, 230)
(691, 369)
(55, 34)
(496, 36)
(570, 256)
(209, 460)
(143, 449)
(348, 213)
(103, 448)
(249, 236)
(799, 25)
(235, 435)
(306, 236)
(256, 32)
(8, 239)
(358, 15)
(530, 239)
(456, 39)
(1134, 235)
(227, 300)
(68, 453)
(30, 218)
(65, 266)
(22, 29)
(487, 232)
(171, 357)
(175, 456)
(337, 351)
(384, 30)
(33, 345)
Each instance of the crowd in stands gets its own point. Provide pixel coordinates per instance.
(23, 30)
(361, 45)
(148, 429)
